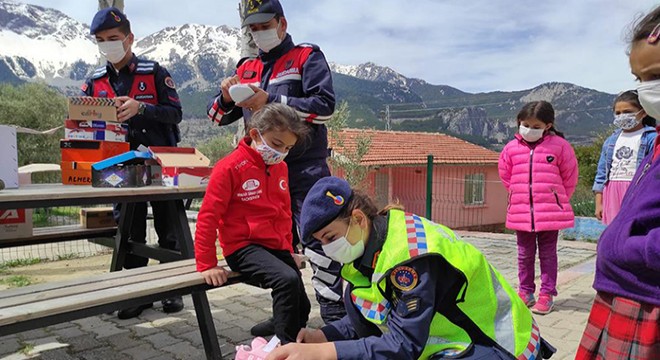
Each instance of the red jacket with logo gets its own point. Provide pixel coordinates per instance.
(246, 203)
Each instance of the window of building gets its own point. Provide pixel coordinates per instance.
(475, 186)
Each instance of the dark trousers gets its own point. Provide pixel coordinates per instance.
(164, 217)
(276, 270)
(326, 280)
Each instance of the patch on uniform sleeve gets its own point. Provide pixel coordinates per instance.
(170, 83)
(249, 74)
(404, 278)
(407, 306)
(84, 87)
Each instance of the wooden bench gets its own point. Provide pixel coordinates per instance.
(42, 305)
(53, 234)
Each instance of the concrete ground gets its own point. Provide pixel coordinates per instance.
(159, 336)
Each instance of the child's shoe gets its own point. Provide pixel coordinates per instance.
(527, 298)
(544, 305)
(254, 352)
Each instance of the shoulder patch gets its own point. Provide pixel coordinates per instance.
(84, 87)
(169, 82)
(405, 307)
(99, 73)
(404, 278)
(145, 68)
(308, 45)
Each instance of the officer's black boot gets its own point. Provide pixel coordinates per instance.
(266, 328)
(172, 305)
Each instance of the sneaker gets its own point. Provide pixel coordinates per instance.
(254, 352)
(544, 305)
(527, 298)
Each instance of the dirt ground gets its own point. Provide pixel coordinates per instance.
(62, 270)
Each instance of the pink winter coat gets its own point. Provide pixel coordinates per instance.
(540, 179)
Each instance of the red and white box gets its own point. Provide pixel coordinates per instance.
(15, 223)
(180, 167)
(95, 130)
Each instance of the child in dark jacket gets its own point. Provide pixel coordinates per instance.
(248, 208)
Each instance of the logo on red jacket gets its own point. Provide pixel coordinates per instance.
(252, 184)
(249, 74)
(288, 64)
(283, 184)
(142, 86)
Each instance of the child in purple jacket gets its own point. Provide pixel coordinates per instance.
(539, 170)
(624, 322)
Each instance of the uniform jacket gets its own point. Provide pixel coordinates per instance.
(148, 82)
(628, 262)
(246, 203)
(540, 178)
(436, 290)
(296, 75)
(607, 153)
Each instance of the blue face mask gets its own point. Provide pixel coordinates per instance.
(270, 155)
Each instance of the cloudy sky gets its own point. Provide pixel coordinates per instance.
(474, 45)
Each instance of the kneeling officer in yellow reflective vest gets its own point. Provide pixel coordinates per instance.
(414, 290)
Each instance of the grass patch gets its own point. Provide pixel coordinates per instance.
(20, 262)
(17, 281)
(26, 349)
(67, 256)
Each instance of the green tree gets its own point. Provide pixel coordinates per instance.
(348, 159)
(583, 200)
(39, 107)
(217, 147)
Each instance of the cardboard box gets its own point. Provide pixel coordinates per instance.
(182, 167)
(9, 157)
(124, 170)
(96, 125)
(94, 218)
(76, 172)
(92, 108)
(122, 176)
(91, 150)
(93, 134)
(15, 223)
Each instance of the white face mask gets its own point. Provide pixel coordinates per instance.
(531, 135)
(113, 51)
(267, 40)
(626, 121)
(649, 97)
(342, 251)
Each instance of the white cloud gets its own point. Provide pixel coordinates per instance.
(478, 45)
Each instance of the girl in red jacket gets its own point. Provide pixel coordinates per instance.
(248, 208)
(539, 170)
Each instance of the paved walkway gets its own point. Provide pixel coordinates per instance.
(159, 336)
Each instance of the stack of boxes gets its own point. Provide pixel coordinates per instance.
(92, 134)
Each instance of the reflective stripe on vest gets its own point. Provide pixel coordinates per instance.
(534, 346)
(416, 236)
(370, 310)
(488, 299)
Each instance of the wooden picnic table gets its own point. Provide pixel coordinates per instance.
(51, 195)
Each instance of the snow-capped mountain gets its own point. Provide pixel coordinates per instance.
(41, 44)
(197, 56)
(44, 44)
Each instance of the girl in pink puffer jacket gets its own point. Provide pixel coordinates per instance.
(539, 170)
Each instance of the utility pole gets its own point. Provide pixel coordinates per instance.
(248, 47)
(388, 120)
